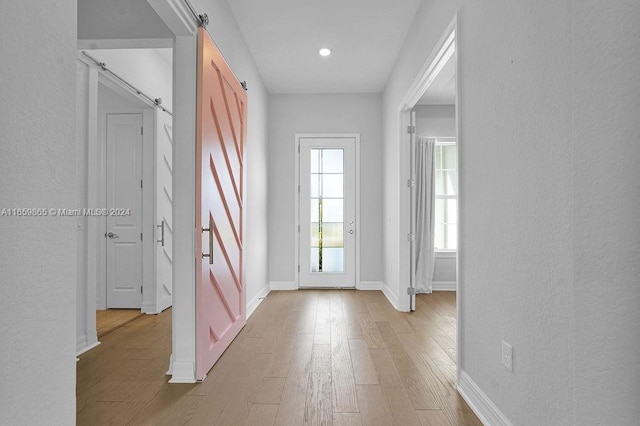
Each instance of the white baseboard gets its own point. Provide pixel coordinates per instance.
(282, 285)
(480, 403)
(393, 298)
(183, 372)
(444, 286)
(172, 359)
(253, 303)
(148, 308)
(369, 285)
(82, 345)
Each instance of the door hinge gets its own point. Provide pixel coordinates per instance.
(411, 291)
(141, 236)
(298, 268)
(411, 237)
(411, 183)
(140, 183)
(411, 129)
(140, 289)
(142, 130)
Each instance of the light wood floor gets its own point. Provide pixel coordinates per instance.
(112, 319)
(305, 357)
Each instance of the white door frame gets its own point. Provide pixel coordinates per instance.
(447, 46)
(97, 177)
(299, 136)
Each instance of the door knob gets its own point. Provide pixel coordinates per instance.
(351, 231)
(112, 235)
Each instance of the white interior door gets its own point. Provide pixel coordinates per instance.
(164, 210)
(124, 210)
(327, 233)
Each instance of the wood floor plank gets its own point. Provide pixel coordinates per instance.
(374, 410)
(393, 389)
(318, 406)
(420, 395)
(370, 331)
(347, 419)
(262, 415)
(294, 394)
(363, 369)
(170, 406)
(343, 382)
(269, 391)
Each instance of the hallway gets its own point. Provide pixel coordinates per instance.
(305, 357)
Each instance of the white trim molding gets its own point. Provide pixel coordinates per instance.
(182, 371)
(257, 300)
(370, 285)
(391, 297)
(282, 285)
(444, 285)
(83, 346)
(480, 403)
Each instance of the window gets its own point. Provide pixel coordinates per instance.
(446, 196)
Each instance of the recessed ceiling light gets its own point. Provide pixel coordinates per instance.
(324, 51)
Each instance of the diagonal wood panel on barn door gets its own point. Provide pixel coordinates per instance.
(220, 287)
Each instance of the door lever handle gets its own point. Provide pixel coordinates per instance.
(161, 240)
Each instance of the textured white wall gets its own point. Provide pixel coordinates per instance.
(549, 181)
(605, 85)
(230, 41)
(346, 113)
(143, 68)
(37, 255)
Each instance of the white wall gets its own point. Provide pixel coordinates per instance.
(144, 68)
(439, 121)
(346, 113)
(436, 121)
(227, 36)
(37, 254)
(549, 107)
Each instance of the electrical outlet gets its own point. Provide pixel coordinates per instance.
(507, 356)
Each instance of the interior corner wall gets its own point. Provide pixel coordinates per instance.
(38, 254)
(549, 190)
(229, 39)
(340, 113)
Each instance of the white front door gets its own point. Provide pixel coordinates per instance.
(164, 210)
(327, 233)
(124, 210)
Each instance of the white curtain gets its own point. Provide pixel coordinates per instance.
(425, 212)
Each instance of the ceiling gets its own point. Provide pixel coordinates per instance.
(284, 37)
(442, 91)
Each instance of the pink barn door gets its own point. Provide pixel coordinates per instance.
(221, 124)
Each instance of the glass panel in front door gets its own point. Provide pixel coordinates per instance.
(327, 210)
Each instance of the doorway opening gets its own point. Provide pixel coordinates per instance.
(429, 119)
(125, 158)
